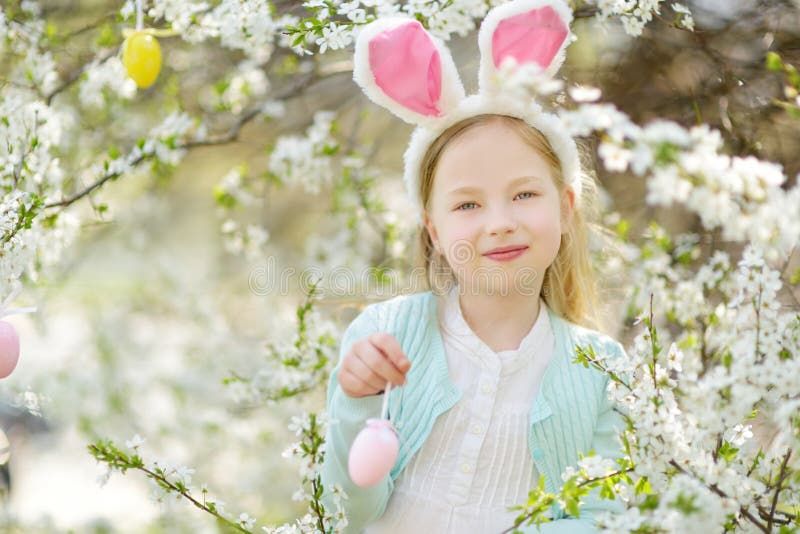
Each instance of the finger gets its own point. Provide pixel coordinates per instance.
(382, 365)
(359, 368)
(352, 385)
(388, 344)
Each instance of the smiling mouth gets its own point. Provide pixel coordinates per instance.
(503, 250)
(506, 254)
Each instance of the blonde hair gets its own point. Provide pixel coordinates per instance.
(569, 287)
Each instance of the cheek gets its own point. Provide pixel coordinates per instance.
(543, 219)
(458, 239)
(546, 226)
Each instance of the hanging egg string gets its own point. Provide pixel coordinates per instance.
(141, 53)
(139, 15)
(375, 449)
(9, 340)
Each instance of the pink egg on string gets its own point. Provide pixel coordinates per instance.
(375, 449)
(373, 453)
(9, 349)
(9, 340)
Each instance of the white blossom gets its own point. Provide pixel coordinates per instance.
(104, 76)
(334, 37)
(306, 159)
(580, 93)
(135, 442)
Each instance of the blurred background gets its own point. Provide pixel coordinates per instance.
(166, 290)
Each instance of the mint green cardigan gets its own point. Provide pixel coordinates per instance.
(570, 415)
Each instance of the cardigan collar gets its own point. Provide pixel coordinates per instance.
(558, 366)
(510, 361)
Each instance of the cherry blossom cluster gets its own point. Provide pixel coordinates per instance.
(310, 451)
(306, 159)
(635, 14)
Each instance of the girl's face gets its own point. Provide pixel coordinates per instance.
(491, 190)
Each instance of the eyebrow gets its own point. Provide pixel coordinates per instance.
(514, 182)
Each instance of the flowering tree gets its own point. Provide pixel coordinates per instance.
(709, 287)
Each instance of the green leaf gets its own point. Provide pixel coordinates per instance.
(330, 150)
(107, 37)
(50, 30)
(299, 39)
(774, 62)
(221, 86)
(223, 198)
(643, 487)
(794, 77)
(650, 503)
(684, 503)
(607, 489)
(689, 342)
(756, 460)
(667, 153)
(622, 228)
(50, 220)
(685, 258)
(727, 451)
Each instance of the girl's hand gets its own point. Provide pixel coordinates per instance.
(371, 363)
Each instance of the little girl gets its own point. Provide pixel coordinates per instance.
(488, 399)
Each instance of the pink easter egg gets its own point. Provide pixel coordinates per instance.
(9, 349)
(373, 453)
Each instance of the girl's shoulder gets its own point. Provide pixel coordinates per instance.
(397, 313)
(583, 336)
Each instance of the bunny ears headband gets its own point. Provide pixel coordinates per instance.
(403, 68)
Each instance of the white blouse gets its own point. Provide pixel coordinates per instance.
(475, 462)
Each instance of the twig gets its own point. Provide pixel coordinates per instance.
(76, 74)
(118, 459)
(579, 485)
(92, 25)
(781, 477)
(233, 133)
(69, 200)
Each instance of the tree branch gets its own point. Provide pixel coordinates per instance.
(230, 136)
(76, 74)
(233, 132)
(69, 200)
(781, 477)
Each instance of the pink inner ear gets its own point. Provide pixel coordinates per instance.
(533, 36)
(407, 67)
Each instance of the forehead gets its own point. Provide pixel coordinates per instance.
(489, 155)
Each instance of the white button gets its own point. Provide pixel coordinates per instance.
(465, 468)
(477, 429)
(486, 388)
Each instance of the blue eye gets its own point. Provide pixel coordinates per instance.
(531, 193)
(461, 206)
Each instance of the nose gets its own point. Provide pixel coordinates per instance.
(500, 221)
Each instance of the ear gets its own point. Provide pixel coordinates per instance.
(426, 220)
(529, 31)
(567, 208)
(403, 68)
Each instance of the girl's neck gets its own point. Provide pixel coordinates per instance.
(500, 321)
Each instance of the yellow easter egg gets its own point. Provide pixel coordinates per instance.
(141, 56)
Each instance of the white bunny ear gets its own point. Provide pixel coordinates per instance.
(403, 68)
(529, 31)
